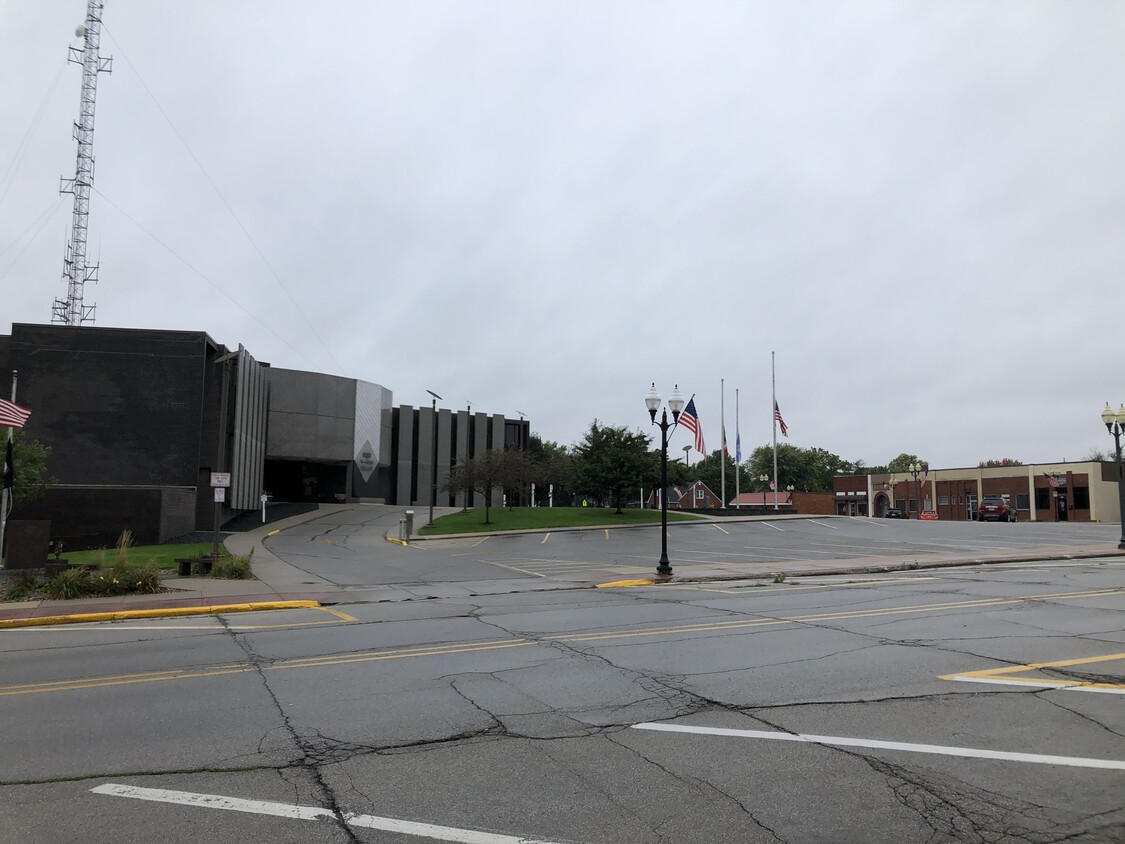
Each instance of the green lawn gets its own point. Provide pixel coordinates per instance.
(163, 555)
(539, 518)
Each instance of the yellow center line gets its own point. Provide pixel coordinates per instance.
(599, 636)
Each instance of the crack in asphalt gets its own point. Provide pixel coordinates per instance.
(311, 755)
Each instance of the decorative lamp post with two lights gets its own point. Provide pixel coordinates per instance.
(916, 469)
(676, 405)
(1115, 424)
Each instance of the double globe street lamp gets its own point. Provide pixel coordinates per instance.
(1115, 424)
(676, 405)
(916, 469)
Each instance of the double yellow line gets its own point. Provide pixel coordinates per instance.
(504, 644)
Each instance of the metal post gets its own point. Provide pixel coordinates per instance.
(433, 434)
(1117, 431)
(221, 455)
(664, 566)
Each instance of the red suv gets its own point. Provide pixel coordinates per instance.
(994, 508)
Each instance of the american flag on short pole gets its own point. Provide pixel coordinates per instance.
(12, 415)
(780, 421)
(690, 420)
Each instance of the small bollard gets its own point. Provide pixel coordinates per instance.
(409, 524)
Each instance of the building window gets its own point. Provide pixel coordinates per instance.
(1081, 498)
(900, 503)
(1023, 501)
(1042, 498)
(913, 505)
(943, 500)
(699, 494)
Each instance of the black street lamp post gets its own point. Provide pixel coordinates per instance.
(676, 405)
(1115, 424)
(433, 435)
(916, 469)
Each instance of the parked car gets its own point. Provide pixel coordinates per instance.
(993, 508)
(894, 513)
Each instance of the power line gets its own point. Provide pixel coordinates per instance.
(226, 204)
(202, 275)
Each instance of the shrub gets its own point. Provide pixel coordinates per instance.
(72, 583)
(233, 568)
(23, 587)
(128, 578)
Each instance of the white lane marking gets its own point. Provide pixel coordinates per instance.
(822, 524)
(717, 527)
(546, 536)
(874, 522)
(937, 749)
(1061, 686)
(310, 813)
(775, 527)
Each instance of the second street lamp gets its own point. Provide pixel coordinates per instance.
(433, 475)
(676, 405)
(916, 469)
(1115, 424)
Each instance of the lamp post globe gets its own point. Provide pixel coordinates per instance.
(676, 405)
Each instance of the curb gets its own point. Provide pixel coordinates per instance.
(168, 612)
(876, 569)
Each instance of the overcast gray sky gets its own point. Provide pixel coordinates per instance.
(545, 206)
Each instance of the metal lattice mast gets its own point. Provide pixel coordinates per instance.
(71, 311)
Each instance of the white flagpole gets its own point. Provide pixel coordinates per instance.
(773, 416)
(723, 446)
(737, 449)
(4, 504)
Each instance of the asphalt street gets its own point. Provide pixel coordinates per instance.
(980, 703)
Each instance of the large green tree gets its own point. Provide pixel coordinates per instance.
(552, 465)
(30, 457)
(610, 460)
(804, 469)
(902, 462)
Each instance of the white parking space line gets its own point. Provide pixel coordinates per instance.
(868, 521)
(876, 744)
(775, 527)
(310, 813)
(546, 536)
(717, 527)
(822, 524)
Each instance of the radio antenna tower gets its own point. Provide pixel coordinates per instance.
(71, 311)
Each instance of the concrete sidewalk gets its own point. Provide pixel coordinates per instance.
(278, 581)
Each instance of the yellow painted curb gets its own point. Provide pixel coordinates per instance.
(167, 612)
(273, 533)
(401, 542)
(617, 583)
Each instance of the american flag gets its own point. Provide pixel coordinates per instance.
(780, 421)
(12, 415)
(690, 420)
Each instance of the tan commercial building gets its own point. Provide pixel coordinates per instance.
(1040, 492)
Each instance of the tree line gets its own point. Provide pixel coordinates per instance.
(611, 465)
